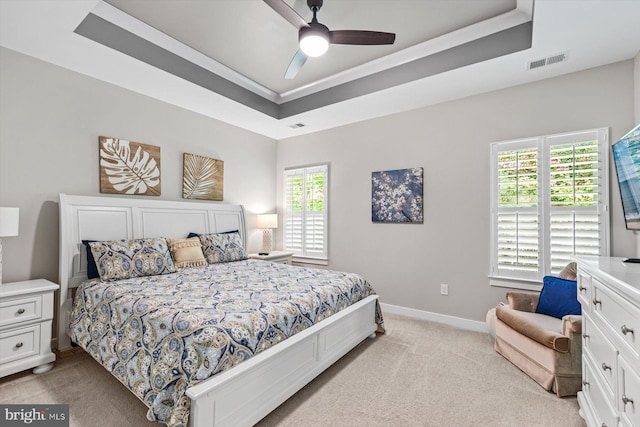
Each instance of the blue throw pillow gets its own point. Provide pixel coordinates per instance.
(558, 298)
(92, 269)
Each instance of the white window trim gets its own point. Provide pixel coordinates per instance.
(302, 258)
(543, 144)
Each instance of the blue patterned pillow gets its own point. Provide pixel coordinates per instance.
(223, 247)
(125, 259)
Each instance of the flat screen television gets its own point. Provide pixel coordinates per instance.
(626, 156)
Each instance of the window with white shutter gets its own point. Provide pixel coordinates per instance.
(306, 212)
(549, 203)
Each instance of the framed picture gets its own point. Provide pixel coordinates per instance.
(128, 167)
(202, 178)
(396, 196)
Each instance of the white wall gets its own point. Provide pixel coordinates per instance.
(50, 121)
(406, 263)
(636, 80)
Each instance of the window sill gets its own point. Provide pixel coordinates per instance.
(314, 261)
(505, 282)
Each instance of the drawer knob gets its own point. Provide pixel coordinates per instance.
(596, 302)
(605, 366)
(21, 311)
(626, 400)
(582, 288)
(585, 335)
(19, 344)
(604, 425)
(626, 330)
(585, 383)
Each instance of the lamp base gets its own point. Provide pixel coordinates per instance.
(266, 241)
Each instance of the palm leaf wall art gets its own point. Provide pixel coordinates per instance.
(128, 167)
(202, 178)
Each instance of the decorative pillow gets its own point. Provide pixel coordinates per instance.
(558, 298)
(125, 259)
(192, 234)
(223, 247)
(569, 272)
(92, 270)
(186, 252)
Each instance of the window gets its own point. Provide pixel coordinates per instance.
(549, 202)
(305, 212)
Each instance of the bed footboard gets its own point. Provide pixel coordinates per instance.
(245, 394)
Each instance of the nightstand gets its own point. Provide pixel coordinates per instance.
(26, 318)
(275, 256)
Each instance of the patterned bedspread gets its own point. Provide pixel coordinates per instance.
(160, 335)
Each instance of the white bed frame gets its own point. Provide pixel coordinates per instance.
(245, 394)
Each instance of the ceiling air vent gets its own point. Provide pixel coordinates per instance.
(555, 59)
(297, 125)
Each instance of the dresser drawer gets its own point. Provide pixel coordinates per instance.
(19, 343)
(584, 290)
(628, 394)
(602, 353)
(619, 315)
(598, 398)
(20, 310)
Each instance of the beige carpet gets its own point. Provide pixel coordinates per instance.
(417, 374)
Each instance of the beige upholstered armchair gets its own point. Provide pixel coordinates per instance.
(546, 348)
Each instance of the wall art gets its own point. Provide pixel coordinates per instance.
(203, 178)
(128, 167)
(396, 196)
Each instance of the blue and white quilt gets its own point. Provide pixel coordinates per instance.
(160, 335)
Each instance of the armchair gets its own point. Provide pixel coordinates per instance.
(546, 348)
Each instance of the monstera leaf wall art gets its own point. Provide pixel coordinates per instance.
(128, 167)
(202, 178)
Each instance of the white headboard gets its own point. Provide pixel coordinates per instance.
(110, 218)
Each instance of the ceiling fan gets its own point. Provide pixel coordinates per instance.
(314, 38)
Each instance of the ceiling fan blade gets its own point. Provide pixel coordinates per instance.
(284, 10)
(361, 37)
(296, 63)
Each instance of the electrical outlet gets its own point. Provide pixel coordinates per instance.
(444, 289)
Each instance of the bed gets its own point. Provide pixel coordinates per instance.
(221, 373)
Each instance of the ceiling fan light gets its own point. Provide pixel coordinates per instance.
(314, 44)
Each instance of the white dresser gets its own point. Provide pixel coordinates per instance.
(609, 292)
(26, 316)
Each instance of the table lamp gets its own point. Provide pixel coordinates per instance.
(267, 222)
(8, 227)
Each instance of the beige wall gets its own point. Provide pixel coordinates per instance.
(406, 263)
(50, 120)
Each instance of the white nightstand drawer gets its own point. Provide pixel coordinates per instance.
(629, 394)
(603, 354)
(19, 343)
(20, 310)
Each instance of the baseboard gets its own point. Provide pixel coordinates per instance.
(456, 322)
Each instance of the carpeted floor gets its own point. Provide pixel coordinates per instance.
(417, 374)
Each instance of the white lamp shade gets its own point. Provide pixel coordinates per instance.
(268, 221)
(9, 218)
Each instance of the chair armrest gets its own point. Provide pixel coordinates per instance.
(523, 301)
(571, 325)
(529, 325)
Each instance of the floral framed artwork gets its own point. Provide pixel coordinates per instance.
(203, 178)
(128, 167)
(397, 196)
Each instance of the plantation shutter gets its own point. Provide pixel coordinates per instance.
(577, 197)
(306, 212)
(549, 203)
(516, 209)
